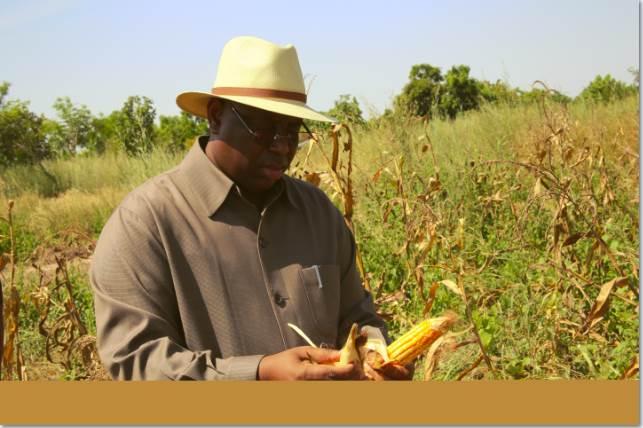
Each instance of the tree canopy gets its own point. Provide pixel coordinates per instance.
(606, 89)
(21, 132)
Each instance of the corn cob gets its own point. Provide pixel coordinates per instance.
(401, 352)
(415, 341)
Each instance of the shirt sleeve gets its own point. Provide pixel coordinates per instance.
(356, 303)
(137, 319)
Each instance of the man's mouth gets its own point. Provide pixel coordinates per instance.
(274, 172)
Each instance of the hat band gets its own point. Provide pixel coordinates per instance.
(259, 92)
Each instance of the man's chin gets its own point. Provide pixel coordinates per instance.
(262, 184)
(271, 175)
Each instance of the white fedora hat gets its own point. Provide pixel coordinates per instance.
(257, 73)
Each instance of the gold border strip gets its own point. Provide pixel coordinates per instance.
(382, 403)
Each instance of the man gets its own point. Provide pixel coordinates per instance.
(199, 271)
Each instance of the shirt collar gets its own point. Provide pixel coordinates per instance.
(209, 185)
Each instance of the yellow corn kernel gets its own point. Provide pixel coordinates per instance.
(415, 341)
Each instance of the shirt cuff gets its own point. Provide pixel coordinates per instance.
(240, 368)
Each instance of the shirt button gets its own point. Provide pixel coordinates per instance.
(280, 300)
(263, 243)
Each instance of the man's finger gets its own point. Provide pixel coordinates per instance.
(328, 372)
(321, 355)
(395, 372)
(371, 373)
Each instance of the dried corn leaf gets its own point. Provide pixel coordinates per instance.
(597, 337)
(397, 296)
(313, 178)
(497, 197)
(432, 357)
(434, 184)
(571, 240)
(4, 261)
(538, 187)
(11, 346)
(429, 301)
(335, 154)
(452, 286)
(460, 233)
(602, 302)
(348, 204)
(633, 368)
(376, 176)
(608, 197)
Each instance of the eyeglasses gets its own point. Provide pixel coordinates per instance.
(268, 138)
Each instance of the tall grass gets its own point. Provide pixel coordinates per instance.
(77, 194)
(85, 174)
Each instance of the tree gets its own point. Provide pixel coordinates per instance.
(460, 93)
(606, 89)
(635, 75)
(21, 134)
(75, 131)
(4, 90)
(498, 92)
(176, 133)
(106, 135)
(346, 110)
(134, 125)
(537, 94)
(421, 95)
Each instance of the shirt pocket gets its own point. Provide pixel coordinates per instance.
(321, 289)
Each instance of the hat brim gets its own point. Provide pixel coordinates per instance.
(197, 104)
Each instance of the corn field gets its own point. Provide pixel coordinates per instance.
(522, 221)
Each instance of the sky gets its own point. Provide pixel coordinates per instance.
(100, 52)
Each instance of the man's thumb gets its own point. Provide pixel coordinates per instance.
(322, 356)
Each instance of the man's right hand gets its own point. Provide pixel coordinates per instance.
(305, 363)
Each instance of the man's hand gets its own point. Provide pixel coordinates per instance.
(387, 371)
(305, 363)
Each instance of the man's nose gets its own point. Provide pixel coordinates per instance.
(282, 146)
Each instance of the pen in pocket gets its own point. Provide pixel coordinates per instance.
(319, 281)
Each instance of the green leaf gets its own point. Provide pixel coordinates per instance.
(485, 338)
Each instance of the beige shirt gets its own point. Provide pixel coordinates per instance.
(191, 281)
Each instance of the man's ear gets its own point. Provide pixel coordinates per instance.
(215, 108)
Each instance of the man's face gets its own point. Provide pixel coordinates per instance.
(254, 165)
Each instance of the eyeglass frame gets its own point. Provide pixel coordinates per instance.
(276, 136)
